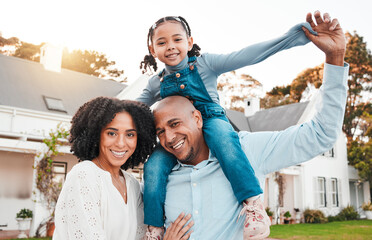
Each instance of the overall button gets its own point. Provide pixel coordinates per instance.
(182, 86)
(161, 79)
(178, 75)
(192, 67)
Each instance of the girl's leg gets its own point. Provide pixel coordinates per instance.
(156, 171)
(224, 144)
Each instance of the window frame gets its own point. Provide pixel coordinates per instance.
(334, 192)
(322, 194)
(57, 175)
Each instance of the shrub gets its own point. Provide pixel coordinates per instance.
(367, 206)
(269, 213)
(314, 216)
(24, 213)
(336, 218)
(349, 213)
(287, 214)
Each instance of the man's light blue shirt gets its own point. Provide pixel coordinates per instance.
(204, 191)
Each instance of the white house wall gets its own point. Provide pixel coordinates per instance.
(18, 120)
(16, 176)
(21, 134)
(328, 167)
(288, 198)
(353, 176)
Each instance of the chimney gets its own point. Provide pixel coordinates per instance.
(51, 57)
(251, 106)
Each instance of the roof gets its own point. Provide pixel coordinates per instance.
(24, 83)
(272, 119)
(238, 120)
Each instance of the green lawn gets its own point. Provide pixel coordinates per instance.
(355, 230)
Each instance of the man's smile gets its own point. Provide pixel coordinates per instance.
(179, 144)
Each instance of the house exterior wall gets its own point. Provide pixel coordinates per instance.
(21, 134)
(301, 189)
(24, 121)
(16, 176)
(328, 168)
(288, 199)
(16, 184)
(363, 190)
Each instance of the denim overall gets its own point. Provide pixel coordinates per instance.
(219, 135)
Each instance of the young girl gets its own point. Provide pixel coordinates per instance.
(189, 74)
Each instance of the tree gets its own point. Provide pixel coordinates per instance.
(84, 61)
(7, 46)
(359, 83)
(276, 97)
(92, 63)
(360, 153)
(312, 76)
(9, 41)
(28, 51)
(234, 89)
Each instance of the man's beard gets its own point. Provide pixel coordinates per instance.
(190, 156)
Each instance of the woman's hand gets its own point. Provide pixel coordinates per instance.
(178, 229)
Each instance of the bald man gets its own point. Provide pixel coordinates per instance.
(197, 184)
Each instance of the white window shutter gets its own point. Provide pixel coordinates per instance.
(316, 192)
(329, 191)
(339, 190)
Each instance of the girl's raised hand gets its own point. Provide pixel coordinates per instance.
(179, 230)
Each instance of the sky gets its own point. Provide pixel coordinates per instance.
(119, 28)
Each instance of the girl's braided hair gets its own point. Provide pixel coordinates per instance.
(149, 61)
(93, 116)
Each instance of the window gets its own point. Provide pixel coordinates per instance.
(59, 170)
(329, 153)
(54, 104)
(334, 192)
(322, 200)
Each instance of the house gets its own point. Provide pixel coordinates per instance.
(34, 99)
(326, 182)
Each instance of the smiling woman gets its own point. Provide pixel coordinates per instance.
(99, 199)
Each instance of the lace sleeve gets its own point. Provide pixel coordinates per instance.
(141, 227)
(78, 209)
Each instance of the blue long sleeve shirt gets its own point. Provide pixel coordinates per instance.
(210, 66)
(204, 191)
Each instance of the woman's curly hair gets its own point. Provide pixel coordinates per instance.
(94, 115)
(149, 61)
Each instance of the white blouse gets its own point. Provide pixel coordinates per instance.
(90, 207)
